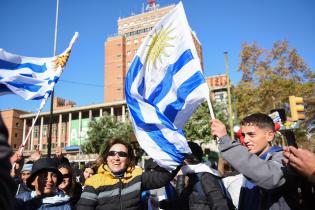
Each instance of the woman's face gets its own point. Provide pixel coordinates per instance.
(65, 184)
(87, 173)
(117, 158)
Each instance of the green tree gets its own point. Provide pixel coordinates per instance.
(198, 125)
(270, 77)
(103, 129)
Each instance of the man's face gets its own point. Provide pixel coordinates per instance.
(45, 183)
(257, 139)
(25, 175)
(117, 160)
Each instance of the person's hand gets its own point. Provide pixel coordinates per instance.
(58, 152)
(218, 128)
(302, 160)
(36, 155)
(15, 157)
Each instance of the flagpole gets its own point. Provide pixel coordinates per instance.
(229, 96)
(52, 93)
(21, 148)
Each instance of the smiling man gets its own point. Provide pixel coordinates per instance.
(268, 183)
(43, 181)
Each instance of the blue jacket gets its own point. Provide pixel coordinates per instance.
(30, 202)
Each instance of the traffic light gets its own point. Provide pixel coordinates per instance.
(296, 107)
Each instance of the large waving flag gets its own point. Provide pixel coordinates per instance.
(31, 78)
(164, 86)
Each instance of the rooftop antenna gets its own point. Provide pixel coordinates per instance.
(152, 5)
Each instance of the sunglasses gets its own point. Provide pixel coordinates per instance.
(119, 153)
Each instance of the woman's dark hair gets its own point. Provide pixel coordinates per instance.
(74, 189)
(110, 143)
(71, 180)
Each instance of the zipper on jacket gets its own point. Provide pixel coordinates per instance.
(120, 188)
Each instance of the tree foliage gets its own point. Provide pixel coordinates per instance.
(270, 77)
(198, 125)
(103, 129)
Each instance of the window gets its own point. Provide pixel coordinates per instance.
(17, 124)
(45, 131)
(128, 52)
(128, 42)
(136, 41)
(118, 56)
(14, 145)
(15, 135)
(63, 129)
(36, 132)
(54, 130)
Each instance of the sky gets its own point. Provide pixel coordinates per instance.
(28, 27)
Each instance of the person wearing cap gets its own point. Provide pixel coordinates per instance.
(119, 183)
(25, 173)
(43, 182)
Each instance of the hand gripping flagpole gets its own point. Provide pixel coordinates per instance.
(60, 63)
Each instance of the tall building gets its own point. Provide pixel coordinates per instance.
(120, 49)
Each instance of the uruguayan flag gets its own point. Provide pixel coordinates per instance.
(31, 78)
(164, 86)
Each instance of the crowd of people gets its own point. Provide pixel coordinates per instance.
(254, 175)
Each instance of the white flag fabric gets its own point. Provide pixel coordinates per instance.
(164, 86)
(29, 77)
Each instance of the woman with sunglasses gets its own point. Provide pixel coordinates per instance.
(118, 183)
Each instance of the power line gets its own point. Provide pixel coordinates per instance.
(81, 83)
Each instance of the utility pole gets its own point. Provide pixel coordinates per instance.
(229, 95)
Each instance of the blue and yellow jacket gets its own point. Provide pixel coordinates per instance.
(105, 191)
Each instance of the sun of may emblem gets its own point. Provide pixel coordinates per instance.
(159, 42)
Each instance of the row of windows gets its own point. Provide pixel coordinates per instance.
(45, 131)
(140, 31)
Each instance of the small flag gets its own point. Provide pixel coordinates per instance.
(31, 78)
(164, 86)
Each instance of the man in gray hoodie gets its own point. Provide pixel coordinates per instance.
(268, 183)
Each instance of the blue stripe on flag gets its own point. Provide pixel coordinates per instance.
(152, 130)
(15, 66)
(24, 86)
(27, 75)
(4, 89)
(183, 91)
(163, 88)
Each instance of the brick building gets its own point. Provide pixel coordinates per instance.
(120, 49)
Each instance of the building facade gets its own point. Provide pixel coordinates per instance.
(120, 49)
(218, 88)
(15, 126)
